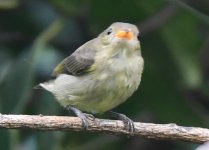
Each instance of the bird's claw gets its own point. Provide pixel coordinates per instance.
(128, 123)
(85, 122)
(89, 116)
(83, 116)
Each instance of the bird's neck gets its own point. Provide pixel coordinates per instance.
(122, 51)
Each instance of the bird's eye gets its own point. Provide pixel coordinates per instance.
(138, 36)
(109, 31)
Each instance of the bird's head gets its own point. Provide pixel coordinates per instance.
(120, 34)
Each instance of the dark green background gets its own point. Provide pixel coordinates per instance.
(36, 34)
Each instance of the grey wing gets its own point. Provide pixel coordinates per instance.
(78, 63)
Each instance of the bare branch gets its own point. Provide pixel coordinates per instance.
(158, 19)
(64, 123)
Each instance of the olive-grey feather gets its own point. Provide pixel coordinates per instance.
(78, 63)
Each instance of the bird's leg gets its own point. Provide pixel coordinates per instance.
(89, 116)
(129, 124)
(83, 116)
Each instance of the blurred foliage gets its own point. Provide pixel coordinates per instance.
(36, 35)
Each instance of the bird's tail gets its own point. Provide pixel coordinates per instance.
(37, 87)
(47, 86)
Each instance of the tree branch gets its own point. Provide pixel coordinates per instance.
(64, 123)
(158, 19)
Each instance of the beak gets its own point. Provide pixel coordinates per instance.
(125, 34)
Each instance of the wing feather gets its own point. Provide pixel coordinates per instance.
(78, 63)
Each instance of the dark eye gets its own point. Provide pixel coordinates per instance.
(109, 31)
(138, 37)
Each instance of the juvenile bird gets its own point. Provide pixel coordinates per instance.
(101, 74)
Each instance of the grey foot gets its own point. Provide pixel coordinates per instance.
(83, 116)
(129, 124)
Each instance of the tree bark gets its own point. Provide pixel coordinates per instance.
(63, 123)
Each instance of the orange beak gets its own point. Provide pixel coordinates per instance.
(125, 34)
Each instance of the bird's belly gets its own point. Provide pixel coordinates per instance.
(105, 89)
(106, 92)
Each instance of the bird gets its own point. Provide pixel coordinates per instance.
(101, 74)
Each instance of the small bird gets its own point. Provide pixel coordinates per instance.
(100, 75)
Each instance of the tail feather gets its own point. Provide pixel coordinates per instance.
(47, 86)
(37, 87)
